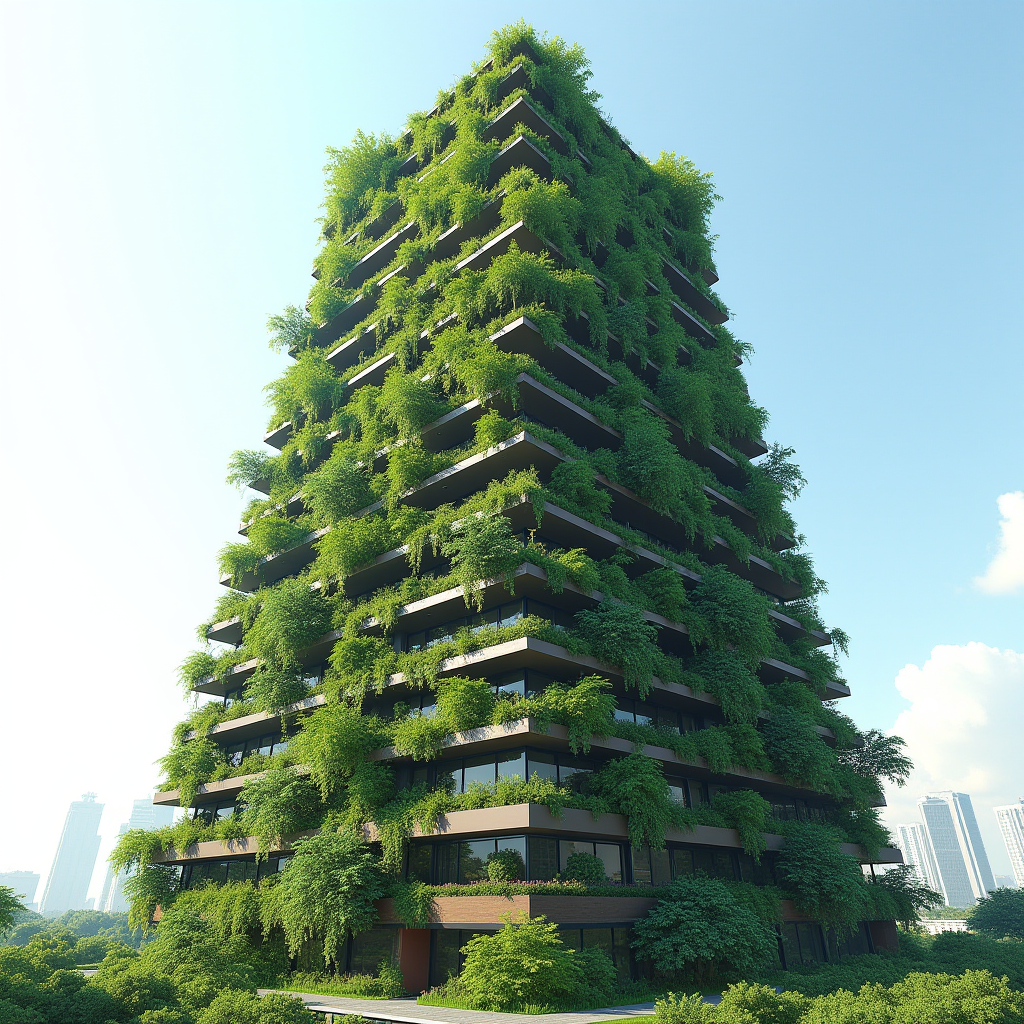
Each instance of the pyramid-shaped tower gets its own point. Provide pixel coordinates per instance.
(519, 595)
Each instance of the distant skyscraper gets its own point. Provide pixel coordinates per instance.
(22, 882)
(68, 884)
(1011, 824)
(956, 843)
(1006, 882)
(144, 815)
(917, 851)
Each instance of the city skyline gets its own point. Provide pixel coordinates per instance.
(956, 845)
(67, 885)
(913, 842)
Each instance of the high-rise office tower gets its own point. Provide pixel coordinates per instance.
(958, 848)
(68, 884)
(917, 851)
(515, 456)
(1011, 825)
(144, 815)
(24, 883)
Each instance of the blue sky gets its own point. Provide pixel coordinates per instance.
(161, 178)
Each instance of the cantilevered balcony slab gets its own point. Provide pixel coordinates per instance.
(520, 152)
(476, 472)
(379, 257)
(489, 739)
(521, 111)
(529, 819)
(681, 284)
(450, 242)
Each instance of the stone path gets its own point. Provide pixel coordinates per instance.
(408, 1011)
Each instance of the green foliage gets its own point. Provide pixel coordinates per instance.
(327, 891)
(619, 635)
(354, 447)
(235, 1007)
(747, 812)
(526, 963)
(826, 884)
(699, 932)
(292, 615)
(585, 709)
(795, 750)
(10, 907)
(635, 786)
(1000, 914)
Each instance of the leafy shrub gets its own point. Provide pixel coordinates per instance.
(699, 932)
(235, 1007)
(525, 963)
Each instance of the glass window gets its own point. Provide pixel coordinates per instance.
(682, 862)
(790, 944)
(543, 859)
(567, 847)
(645, 714)
(444, 961)
(661, 873)
(446, 863)
(624, 710)
(369, 948)
(235, 753)
(241, 870)
(473, 857)
(677, 795)
(569, 766)
(687, 723)
(512, 763)
(570, 936)
(811, 947)
(611, 855)
(621, 952)
(418, 862)
(666, 718)
(224, 811)
(542, 763)
(641, 858)
(698, 793)
(598, 938)
(478, 769)
(511, 613)
(514, 683)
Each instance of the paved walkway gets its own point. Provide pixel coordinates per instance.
(408, 1011)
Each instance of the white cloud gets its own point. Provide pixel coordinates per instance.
(963, 732)
(1005, 573)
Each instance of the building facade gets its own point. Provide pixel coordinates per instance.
(75, 859)
(527, 480)
(913, 843)
(959, 851)
(1011, 827)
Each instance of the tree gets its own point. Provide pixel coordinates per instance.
(1000, 914)
(10, 907)
(699, 931)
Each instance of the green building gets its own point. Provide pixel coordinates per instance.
(520, 574)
